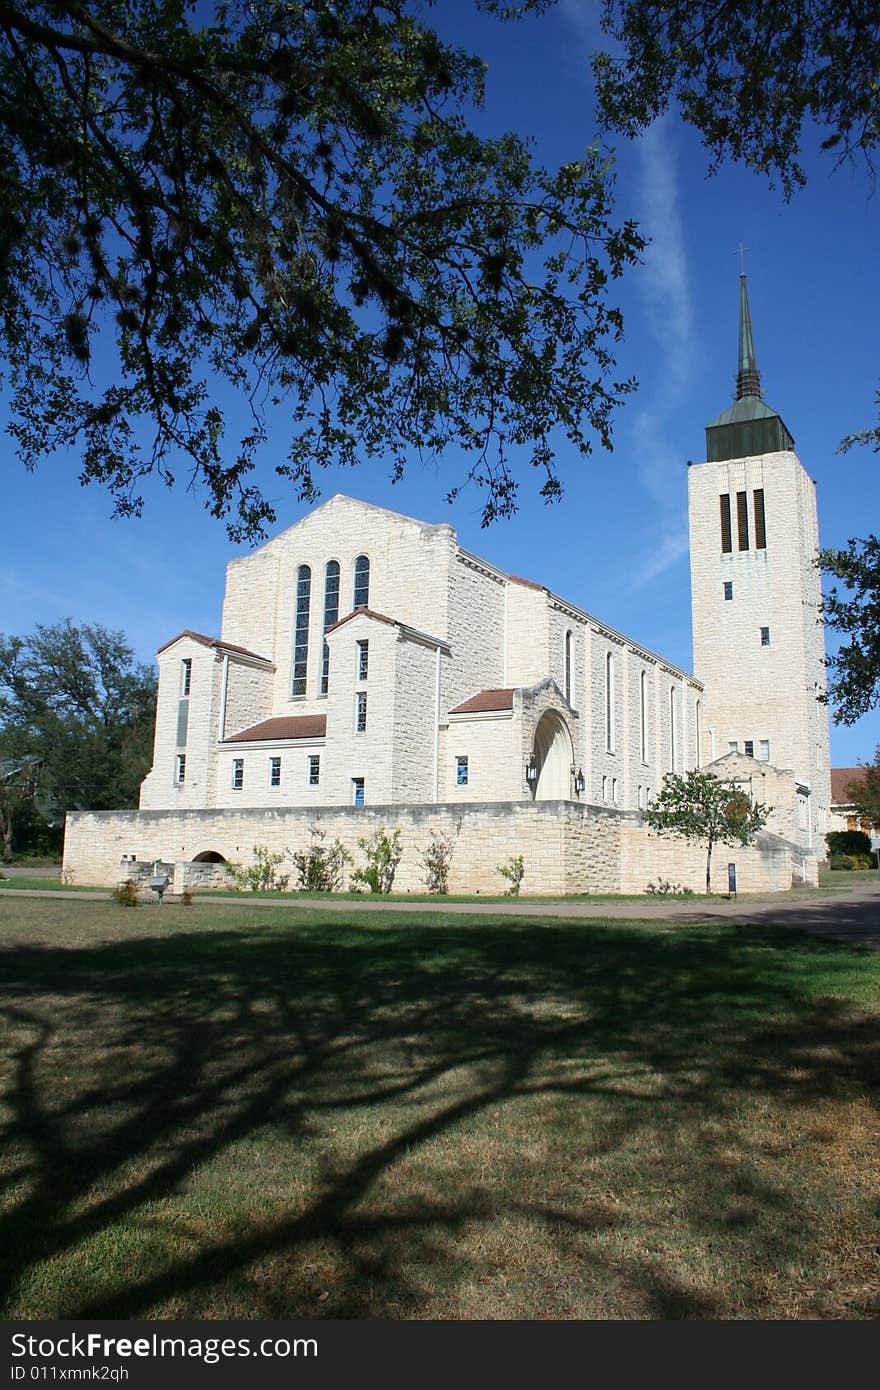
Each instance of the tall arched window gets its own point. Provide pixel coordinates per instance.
(609, 702)
(301, 630)
(568, 646)
(673, 731)
(331, 615)
(698, 726)
(361, 582)
(643, 716)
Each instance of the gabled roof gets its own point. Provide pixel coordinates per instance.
(289, 726)
(487, 702)
(840, 780)
(371, 613)
(212, 642)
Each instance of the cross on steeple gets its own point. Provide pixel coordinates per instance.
(741, 251)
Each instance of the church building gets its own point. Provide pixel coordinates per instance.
(370, 671)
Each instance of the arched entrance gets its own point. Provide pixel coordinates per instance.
(554, 756)
(208, 856)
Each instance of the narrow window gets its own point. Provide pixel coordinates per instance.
(314, 770)
(568, 639)
(363, 651)
(182, 722)
(180, 775)
(614, 790)
(742, 520)
(237, 774)
(673, 731)
(726, 534)
(728, 590)
(186, 667)
(760, 520)
(331, 615)
(643, 715)
(765, 637)
(749, 748)
(301, 630)
(357, 791)
(698, 727)
(361, 582)
(461, 772)
(361, 711)
(764, 750)
(639, 796)
(274, 772)
(609, 702)
(604, 788)
(733, 747)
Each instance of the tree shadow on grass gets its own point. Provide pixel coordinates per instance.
(223, 1120)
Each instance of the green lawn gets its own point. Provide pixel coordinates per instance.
(217, 1113)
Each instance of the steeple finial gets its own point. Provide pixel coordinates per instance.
(748, 382)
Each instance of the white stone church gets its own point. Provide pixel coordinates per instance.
(370, 671)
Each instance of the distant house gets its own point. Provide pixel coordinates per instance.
(843, 814)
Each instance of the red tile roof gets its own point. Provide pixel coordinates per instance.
(485, 701)
(284, 727)
(840, 780)
(210, 642)
(363, 612)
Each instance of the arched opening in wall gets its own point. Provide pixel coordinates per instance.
(208, 856)
(554, 757)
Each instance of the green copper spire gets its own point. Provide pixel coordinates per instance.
(748, 382)
(749, 428)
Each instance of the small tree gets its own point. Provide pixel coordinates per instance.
(514, 871)
(436, 859)
(700, 807)
(383, 853)
(260, 875)
(320, 867)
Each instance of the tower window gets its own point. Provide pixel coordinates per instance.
(357, 791)
(760, 520)
(749, 748)
(673, 730)
(186, 667)
(461, 771)
(765, 637)
(726, 534)
(643, 716)
(733, 746)
(331, 615)
(301, 630)
(361, 582)
(314, 770)
(728, 589)
(361, 711)
(764, 750)
(363, 657)
(180, 773)
(568, 642)
(237, 774)
(274, 772)
(742, 520)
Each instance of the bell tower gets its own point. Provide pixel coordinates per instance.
(759, 644)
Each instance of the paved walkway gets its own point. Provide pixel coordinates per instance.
(850, 914)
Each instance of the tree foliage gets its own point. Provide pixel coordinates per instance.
(288, 200)
(864, 795)
(756, 78)
(75, 698)
(854, 610)
(699, 806)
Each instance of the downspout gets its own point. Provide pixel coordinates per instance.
(436, 725)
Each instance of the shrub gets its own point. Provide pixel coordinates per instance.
(68, 877)
(320, 867)
(383, 854)
(186, 897)
(435, 860)
(852, 861)
(665, 885)
(514, 871)
(847, 842)
(260, 876)
(126, 893)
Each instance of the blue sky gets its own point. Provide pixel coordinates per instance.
(617, 544)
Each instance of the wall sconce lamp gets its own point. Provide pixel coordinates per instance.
(531, 770)
(579, 783)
